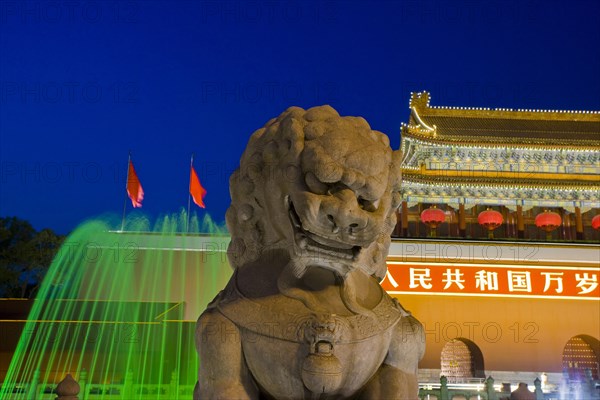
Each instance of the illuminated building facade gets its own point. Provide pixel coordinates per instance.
(497, 243)
(519, 163)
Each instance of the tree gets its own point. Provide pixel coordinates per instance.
(25, 256)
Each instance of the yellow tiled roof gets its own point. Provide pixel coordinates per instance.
(555, 128)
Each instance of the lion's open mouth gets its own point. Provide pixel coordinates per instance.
(318, 244)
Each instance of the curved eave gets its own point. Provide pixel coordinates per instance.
(507, 113)
(500, 142)
(429, 129)
(421, 102)
(500, 181)
(521, 176)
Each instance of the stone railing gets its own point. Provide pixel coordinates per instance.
(447, 391)
(586, 389)
(70, 389)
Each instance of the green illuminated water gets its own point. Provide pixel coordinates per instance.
(122, 306)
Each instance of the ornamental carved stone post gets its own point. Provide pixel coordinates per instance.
(67, 389)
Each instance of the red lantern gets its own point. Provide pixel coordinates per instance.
(548, 221)
(596, 222)
(490, 219)
(433, 217)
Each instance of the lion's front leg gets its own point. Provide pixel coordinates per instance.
(397, 377)
(222, 373)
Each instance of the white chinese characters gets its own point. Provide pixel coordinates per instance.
(496, 280)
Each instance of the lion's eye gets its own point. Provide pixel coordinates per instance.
(368, 205)
(315, 185)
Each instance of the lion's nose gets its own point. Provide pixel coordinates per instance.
(346, 221)
(346, 215)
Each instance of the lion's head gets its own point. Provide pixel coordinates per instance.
(323, 187)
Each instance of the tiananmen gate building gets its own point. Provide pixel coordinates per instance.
(497, 245)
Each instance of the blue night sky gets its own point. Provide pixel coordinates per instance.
(82, 83)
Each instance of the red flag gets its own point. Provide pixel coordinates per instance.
(134, 187)
(196, 189)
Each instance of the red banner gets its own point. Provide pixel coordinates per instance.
(493, 280)
(134, 187)
(196, 190)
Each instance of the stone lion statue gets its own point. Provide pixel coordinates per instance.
(303, 316)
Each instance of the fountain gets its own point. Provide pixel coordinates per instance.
(120, 307)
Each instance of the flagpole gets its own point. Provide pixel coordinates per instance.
(187, 228)
(125, 202)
